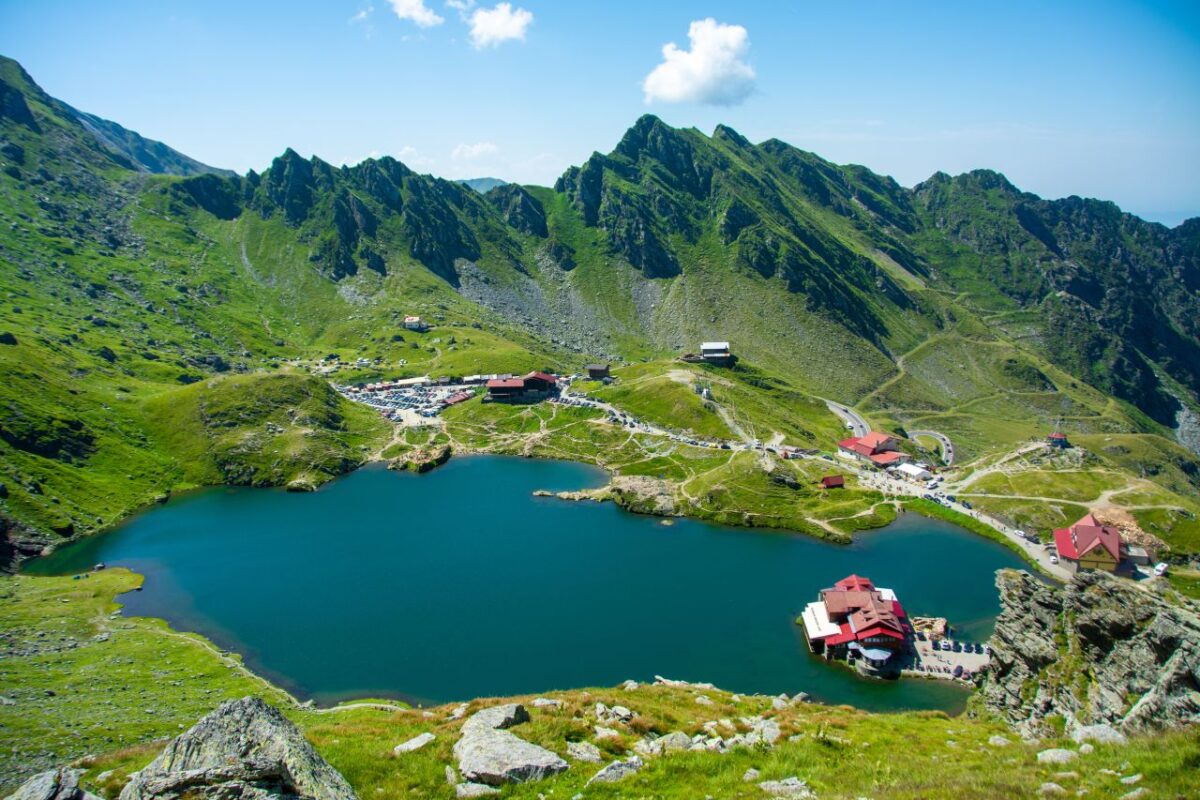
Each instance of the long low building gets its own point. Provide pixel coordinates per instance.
(877, 449)
(527, 389)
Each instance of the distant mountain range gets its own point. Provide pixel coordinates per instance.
(962, 304)
(483, 185)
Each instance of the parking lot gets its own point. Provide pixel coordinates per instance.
(940, 663)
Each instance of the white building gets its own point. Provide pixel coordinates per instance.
(717, 352)
(914, 471)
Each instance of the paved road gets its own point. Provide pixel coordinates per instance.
(858, 425)
(942, 439)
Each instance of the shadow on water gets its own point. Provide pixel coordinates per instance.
(459, 584)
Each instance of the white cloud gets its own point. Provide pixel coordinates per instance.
(470, 152)
(350, 162)
(492, 26)
(713, 71)
(363, 14)
(417, 12)
(460, 5)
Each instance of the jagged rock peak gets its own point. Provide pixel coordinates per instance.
(649, 135)
(245, 749)
(727, 134)
(519, 208)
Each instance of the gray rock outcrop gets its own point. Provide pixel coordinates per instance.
(1101, 651)
(489, 754)
(244, 749)
(616, 771)
(415, 743)
(789, 788)
(54, 784)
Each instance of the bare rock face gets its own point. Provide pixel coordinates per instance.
(1100, 652)
(245, 749)
(54, 784)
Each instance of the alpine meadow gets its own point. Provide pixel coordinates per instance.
(752, 346)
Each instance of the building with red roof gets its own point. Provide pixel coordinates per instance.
(833, 482)
(1089, 545)
(526, 389)
(878, 449)
(1059, 440)
(855, 619)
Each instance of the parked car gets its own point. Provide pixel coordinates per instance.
(1160, 569)
(967, 504)
(1053, 559)
(957, 647)
(958, 671)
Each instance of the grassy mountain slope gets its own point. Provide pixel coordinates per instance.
(128, 296)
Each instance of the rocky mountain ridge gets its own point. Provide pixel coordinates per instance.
(1100, 651)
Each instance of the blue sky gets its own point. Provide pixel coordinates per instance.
(1092, 98)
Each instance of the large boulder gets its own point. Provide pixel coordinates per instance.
(244, 749)
(54, 784)
(489, 754)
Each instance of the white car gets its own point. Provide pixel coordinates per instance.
(1160, 569)
(1053, 559)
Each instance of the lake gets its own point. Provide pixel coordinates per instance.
(459, 584)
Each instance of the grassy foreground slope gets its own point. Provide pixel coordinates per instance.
(119, 685)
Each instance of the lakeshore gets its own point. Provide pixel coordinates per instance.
(350, 591)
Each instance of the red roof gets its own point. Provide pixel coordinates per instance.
(878, 630)
(875, 440)
(872, 446)
(847, 635)
(855, 583)
(542, 376)
(509, 383)
(1057, 436)
(1085, 536)
(833, 481)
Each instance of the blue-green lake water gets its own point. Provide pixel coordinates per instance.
(459, 584)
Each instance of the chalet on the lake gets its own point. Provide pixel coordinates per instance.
(1089, 545)
(859, 622)
(877, 449)
(527, 389)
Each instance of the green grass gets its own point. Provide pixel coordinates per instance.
(662, 400)
(1075, 487)
(85, 681)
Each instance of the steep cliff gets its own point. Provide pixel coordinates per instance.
(1101, 651)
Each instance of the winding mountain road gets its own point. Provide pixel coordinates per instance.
(942, 439)
(854, 421)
